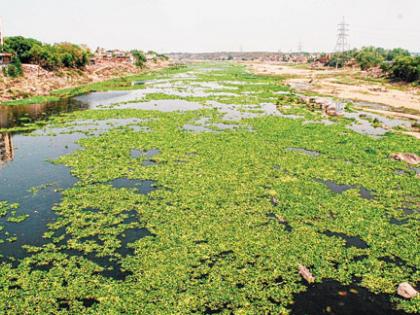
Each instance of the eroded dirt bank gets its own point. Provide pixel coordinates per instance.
(39, 82)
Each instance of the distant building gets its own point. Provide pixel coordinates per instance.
(102, 55)
(5, 58)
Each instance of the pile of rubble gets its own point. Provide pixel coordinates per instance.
(375, 72)
(327, 105)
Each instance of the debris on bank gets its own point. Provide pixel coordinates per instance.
(306, 274)
(325, 104)
(409, 158)
(406, 291)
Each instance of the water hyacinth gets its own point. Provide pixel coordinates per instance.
(222, 219)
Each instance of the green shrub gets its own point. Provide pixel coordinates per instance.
(21, 46)
(394, 53)
(139, 58)
(406, 68)
(14, 69)
(339, 59)
(369, 58)
(397, 62)
(50, 57)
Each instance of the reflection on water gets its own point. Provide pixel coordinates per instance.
(12, 116)
(6, 148)
(31, 168)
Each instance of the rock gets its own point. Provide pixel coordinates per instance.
(409, 158)
(306, 274)
(406, 291)
(331, 111)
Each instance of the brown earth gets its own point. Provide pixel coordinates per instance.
(350, 84)
(37, 81)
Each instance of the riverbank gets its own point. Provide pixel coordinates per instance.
(39, 86)
(348, 84)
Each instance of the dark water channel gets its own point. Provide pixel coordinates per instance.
(331, 297)
(26, 166)
(341, 188)
(28, 177)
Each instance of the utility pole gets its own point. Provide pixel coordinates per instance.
(1, 35)
(342, 44)
(300, 47)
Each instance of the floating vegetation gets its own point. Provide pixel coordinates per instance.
(160, 220)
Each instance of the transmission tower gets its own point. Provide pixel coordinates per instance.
(342, 37)
(300, 47)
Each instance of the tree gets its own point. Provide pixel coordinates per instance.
(21, 46)
(370, 57)
(45, 57)
(339, 60)
(406, 68)
(50, 57)
(71, 55)
(139, 58)
(394, 53)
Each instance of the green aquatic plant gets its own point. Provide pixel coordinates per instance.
(8, 214)
(222, 220)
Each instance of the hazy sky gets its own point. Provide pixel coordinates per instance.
(215, 25)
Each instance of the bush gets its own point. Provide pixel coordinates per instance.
(369, 58)
(397, 62)
(71, 55)
(339, 60)
(406, 68)
(14, 69)
(139, 58)
(394, 53)
(21, 46)
(50, 57)
(45, 57)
